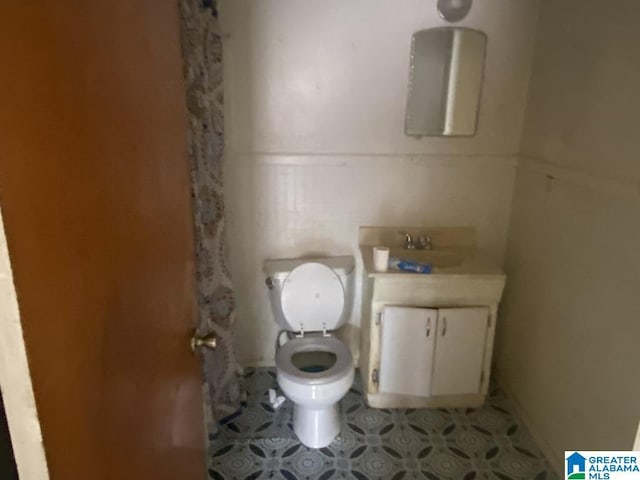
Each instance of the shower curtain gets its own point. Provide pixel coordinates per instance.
(202, 54)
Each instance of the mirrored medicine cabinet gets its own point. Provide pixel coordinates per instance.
(445, 82)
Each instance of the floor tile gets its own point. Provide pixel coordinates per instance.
(433, 444)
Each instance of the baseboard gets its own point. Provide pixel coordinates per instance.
(555, 460)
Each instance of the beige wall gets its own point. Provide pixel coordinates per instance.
(568, 339)
(315, 95)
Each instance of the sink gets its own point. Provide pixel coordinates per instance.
(463, 278)
(454, 257)
(435, 258)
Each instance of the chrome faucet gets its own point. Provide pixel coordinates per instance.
(408, 241)
(424, 242)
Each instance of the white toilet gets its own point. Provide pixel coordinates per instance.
(311, 298)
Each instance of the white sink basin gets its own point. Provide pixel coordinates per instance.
(435, 258)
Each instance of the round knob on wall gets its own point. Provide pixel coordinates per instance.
(453, 10)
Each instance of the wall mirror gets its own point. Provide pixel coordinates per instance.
(445, 81)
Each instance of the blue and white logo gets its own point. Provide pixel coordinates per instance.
(601, 465)
(576, 464)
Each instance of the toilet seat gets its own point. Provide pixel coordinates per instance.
(341, 368)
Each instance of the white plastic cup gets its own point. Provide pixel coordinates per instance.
(381, 259)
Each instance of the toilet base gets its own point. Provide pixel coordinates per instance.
(316, 427)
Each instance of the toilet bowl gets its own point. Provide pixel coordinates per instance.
(315, 373)
(310, 299)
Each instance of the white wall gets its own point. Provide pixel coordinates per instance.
(315, 97)
(567, 341)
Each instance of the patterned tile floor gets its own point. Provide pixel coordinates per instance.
(484, 443)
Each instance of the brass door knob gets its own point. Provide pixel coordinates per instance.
(210, 341)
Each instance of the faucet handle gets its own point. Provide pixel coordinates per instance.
(408, 241)
(424, 242)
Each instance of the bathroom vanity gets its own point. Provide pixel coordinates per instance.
(427, 339)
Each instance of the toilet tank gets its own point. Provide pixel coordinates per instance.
(278, 270)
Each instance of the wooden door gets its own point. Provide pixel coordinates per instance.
(459, 353)
(95, 193)
(406, 350)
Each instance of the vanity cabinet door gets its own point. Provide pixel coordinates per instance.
(459, 350)
(406, 350)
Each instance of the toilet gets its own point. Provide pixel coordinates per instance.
(310, 299)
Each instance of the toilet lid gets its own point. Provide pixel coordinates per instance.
(312, 298)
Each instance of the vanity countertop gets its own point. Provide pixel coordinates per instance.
(455, 262)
